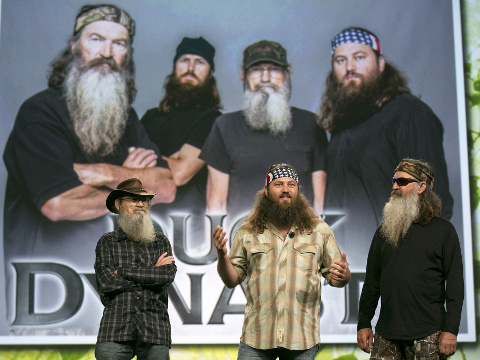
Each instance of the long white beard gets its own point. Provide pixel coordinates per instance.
(98, 104)
(139, 227)
(398, 214)
(268, 109)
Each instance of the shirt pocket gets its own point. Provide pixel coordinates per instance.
(306, 257)
(261, 256)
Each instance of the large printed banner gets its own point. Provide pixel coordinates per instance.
(50, 295)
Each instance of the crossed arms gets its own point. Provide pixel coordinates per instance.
(87, 201)
(113, 280)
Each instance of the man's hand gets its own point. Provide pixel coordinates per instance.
(139, 158)
(447, 343)
(339, 272)
(164, 260)
(365, 339)
(219, 240)
(225, 268)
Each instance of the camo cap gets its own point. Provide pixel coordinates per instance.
(264, 50)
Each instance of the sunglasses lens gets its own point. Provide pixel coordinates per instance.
(403, 181)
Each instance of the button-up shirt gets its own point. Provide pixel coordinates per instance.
(135, 298)
(283, 287)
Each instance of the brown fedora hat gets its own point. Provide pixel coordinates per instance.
(128, 187)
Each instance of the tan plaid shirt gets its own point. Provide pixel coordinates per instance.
(283, 287)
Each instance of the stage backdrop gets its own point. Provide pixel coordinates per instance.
(422, 38)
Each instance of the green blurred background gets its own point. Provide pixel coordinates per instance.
(470, 12)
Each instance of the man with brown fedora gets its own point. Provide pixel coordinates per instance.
(134, 267)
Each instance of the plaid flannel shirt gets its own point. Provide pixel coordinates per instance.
(283, 287)
(135, 298)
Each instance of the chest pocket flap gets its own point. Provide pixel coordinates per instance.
(305, 248)
(261, 249)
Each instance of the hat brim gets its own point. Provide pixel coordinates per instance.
(265, 59)
(115, 194)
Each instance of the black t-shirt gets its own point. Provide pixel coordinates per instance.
(410, 279)
(170, 131)
(245, 155)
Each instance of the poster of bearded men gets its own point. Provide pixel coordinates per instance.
(24, 64)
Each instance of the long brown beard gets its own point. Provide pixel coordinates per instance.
(267, 211)
(98, 104)
(180, 95)
(398, 214)
(353, 104)
(268, 110)
(139, 227)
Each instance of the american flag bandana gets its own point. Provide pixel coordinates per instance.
(356, 36)
(279, 171)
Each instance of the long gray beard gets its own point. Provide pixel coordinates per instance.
(98, 104)
(398, 214)
(268, 110)
(139, 227)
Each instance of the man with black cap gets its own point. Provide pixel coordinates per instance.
(415, 267)
(181, 123)
(72, 143)
(266, 131)
(134, 267)
(283, 249)
(374, 122)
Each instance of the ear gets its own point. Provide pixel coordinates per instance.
(117, 204)
(422, 187)
(265, 190)
(242, 75)
(72, 46)
(381, 63)
(289, 71)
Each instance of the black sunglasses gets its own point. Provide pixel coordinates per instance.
(403, 181)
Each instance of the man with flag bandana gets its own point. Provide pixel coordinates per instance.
(283, 250)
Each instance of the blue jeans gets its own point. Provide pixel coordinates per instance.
(246, 352)
(126, 350)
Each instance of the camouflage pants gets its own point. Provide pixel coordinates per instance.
(420, 349)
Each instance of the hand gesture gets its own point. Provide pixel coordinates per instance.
(365, 339)
(219, 240)
(339, 272)
(164, 260)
